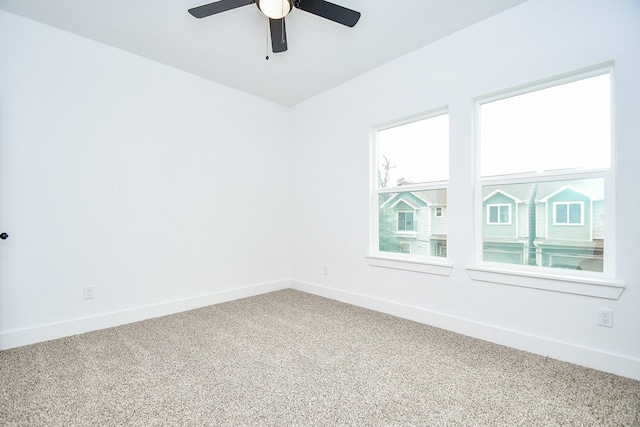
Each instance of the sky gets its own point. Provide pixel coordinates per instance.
(562, 127)
(419, 150)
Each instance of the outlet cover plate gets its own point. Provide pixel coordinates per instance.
(605, 317)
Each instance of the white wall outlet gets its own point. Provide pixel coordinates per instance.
(605, 317)
(89, 292)
(325, 270)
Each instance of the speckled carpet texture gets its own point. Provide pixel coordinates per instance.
(292, 359)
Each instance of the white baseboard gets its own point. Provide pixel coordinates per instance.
(592, 358)
(613, 363)
(51, 331)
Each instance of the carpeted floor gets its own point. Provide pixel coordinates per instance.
(292, 359)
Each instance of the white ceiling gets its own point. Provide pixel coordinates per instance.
(230, 48)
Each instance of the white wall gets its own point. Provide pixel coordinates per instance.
(330, 188)
(161, 189)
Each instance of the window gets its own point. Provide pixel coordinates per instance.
(410, 172)
(405, 247)
(544, 164)
(499, 214)
(405, 221)
(567, 213)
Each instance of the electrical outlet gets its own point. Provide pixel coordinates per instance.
(325, 270)
(89, 292)
(605, 317)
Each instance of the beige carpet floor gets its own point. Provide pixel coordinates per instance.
(292, 359)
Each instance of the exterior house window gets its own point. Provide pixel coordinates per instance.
(544, 169)
(566, 213)
(499, 214)
(405, 247)
(410, 172)
(405, 221)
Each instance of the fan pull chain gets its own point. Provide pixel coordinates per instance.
(267, 47)
(282, 21)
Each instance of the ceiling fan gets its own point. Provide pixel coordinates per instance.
(276, 10)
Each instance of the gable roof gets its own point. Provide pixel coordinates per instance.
(588, 187)
(564, 189)
(498, 191)
(418, 198)
(407, 197)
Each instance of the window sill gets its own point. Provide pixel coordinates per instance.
(410, 264)
(600, 288)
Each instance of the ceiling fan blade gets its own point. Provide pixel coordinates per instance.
(278, 35)
(217, 7)
(328, 10)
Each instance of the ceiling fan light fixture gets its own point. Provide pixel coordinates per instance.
(275, 9)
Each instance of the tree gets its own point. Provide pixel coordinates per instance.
(386, 229)
(387, 241)
(403, 181)
(383, 173)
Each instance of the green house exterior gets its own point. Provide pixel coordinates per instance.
(502, 228)
(573, 233)
(552, 224)
(414, 222)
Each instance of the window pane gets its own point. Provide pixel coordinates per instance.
(534, 236)
(414, 153)
(574, 213)
(562, 127)
(493, 214)
(504, 214)
(561, 213)
(405, 247)
(407, 222)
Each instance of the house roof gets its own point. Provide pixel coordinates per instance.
(562, 190)
(591, 188)
(418, 198)
(498, 191)
(433, 197)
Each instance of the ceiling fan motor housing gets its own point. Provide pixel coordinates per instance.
(275, 9)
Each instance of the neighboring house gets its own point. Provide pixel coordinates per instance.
(503, 216)
(573, 229)
(550, 224)
(416, 222)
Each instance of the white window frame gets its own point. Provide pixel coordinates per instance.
(568, 222)
(498, 205)
(598, 284)
(421, 264)
(438, 211)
